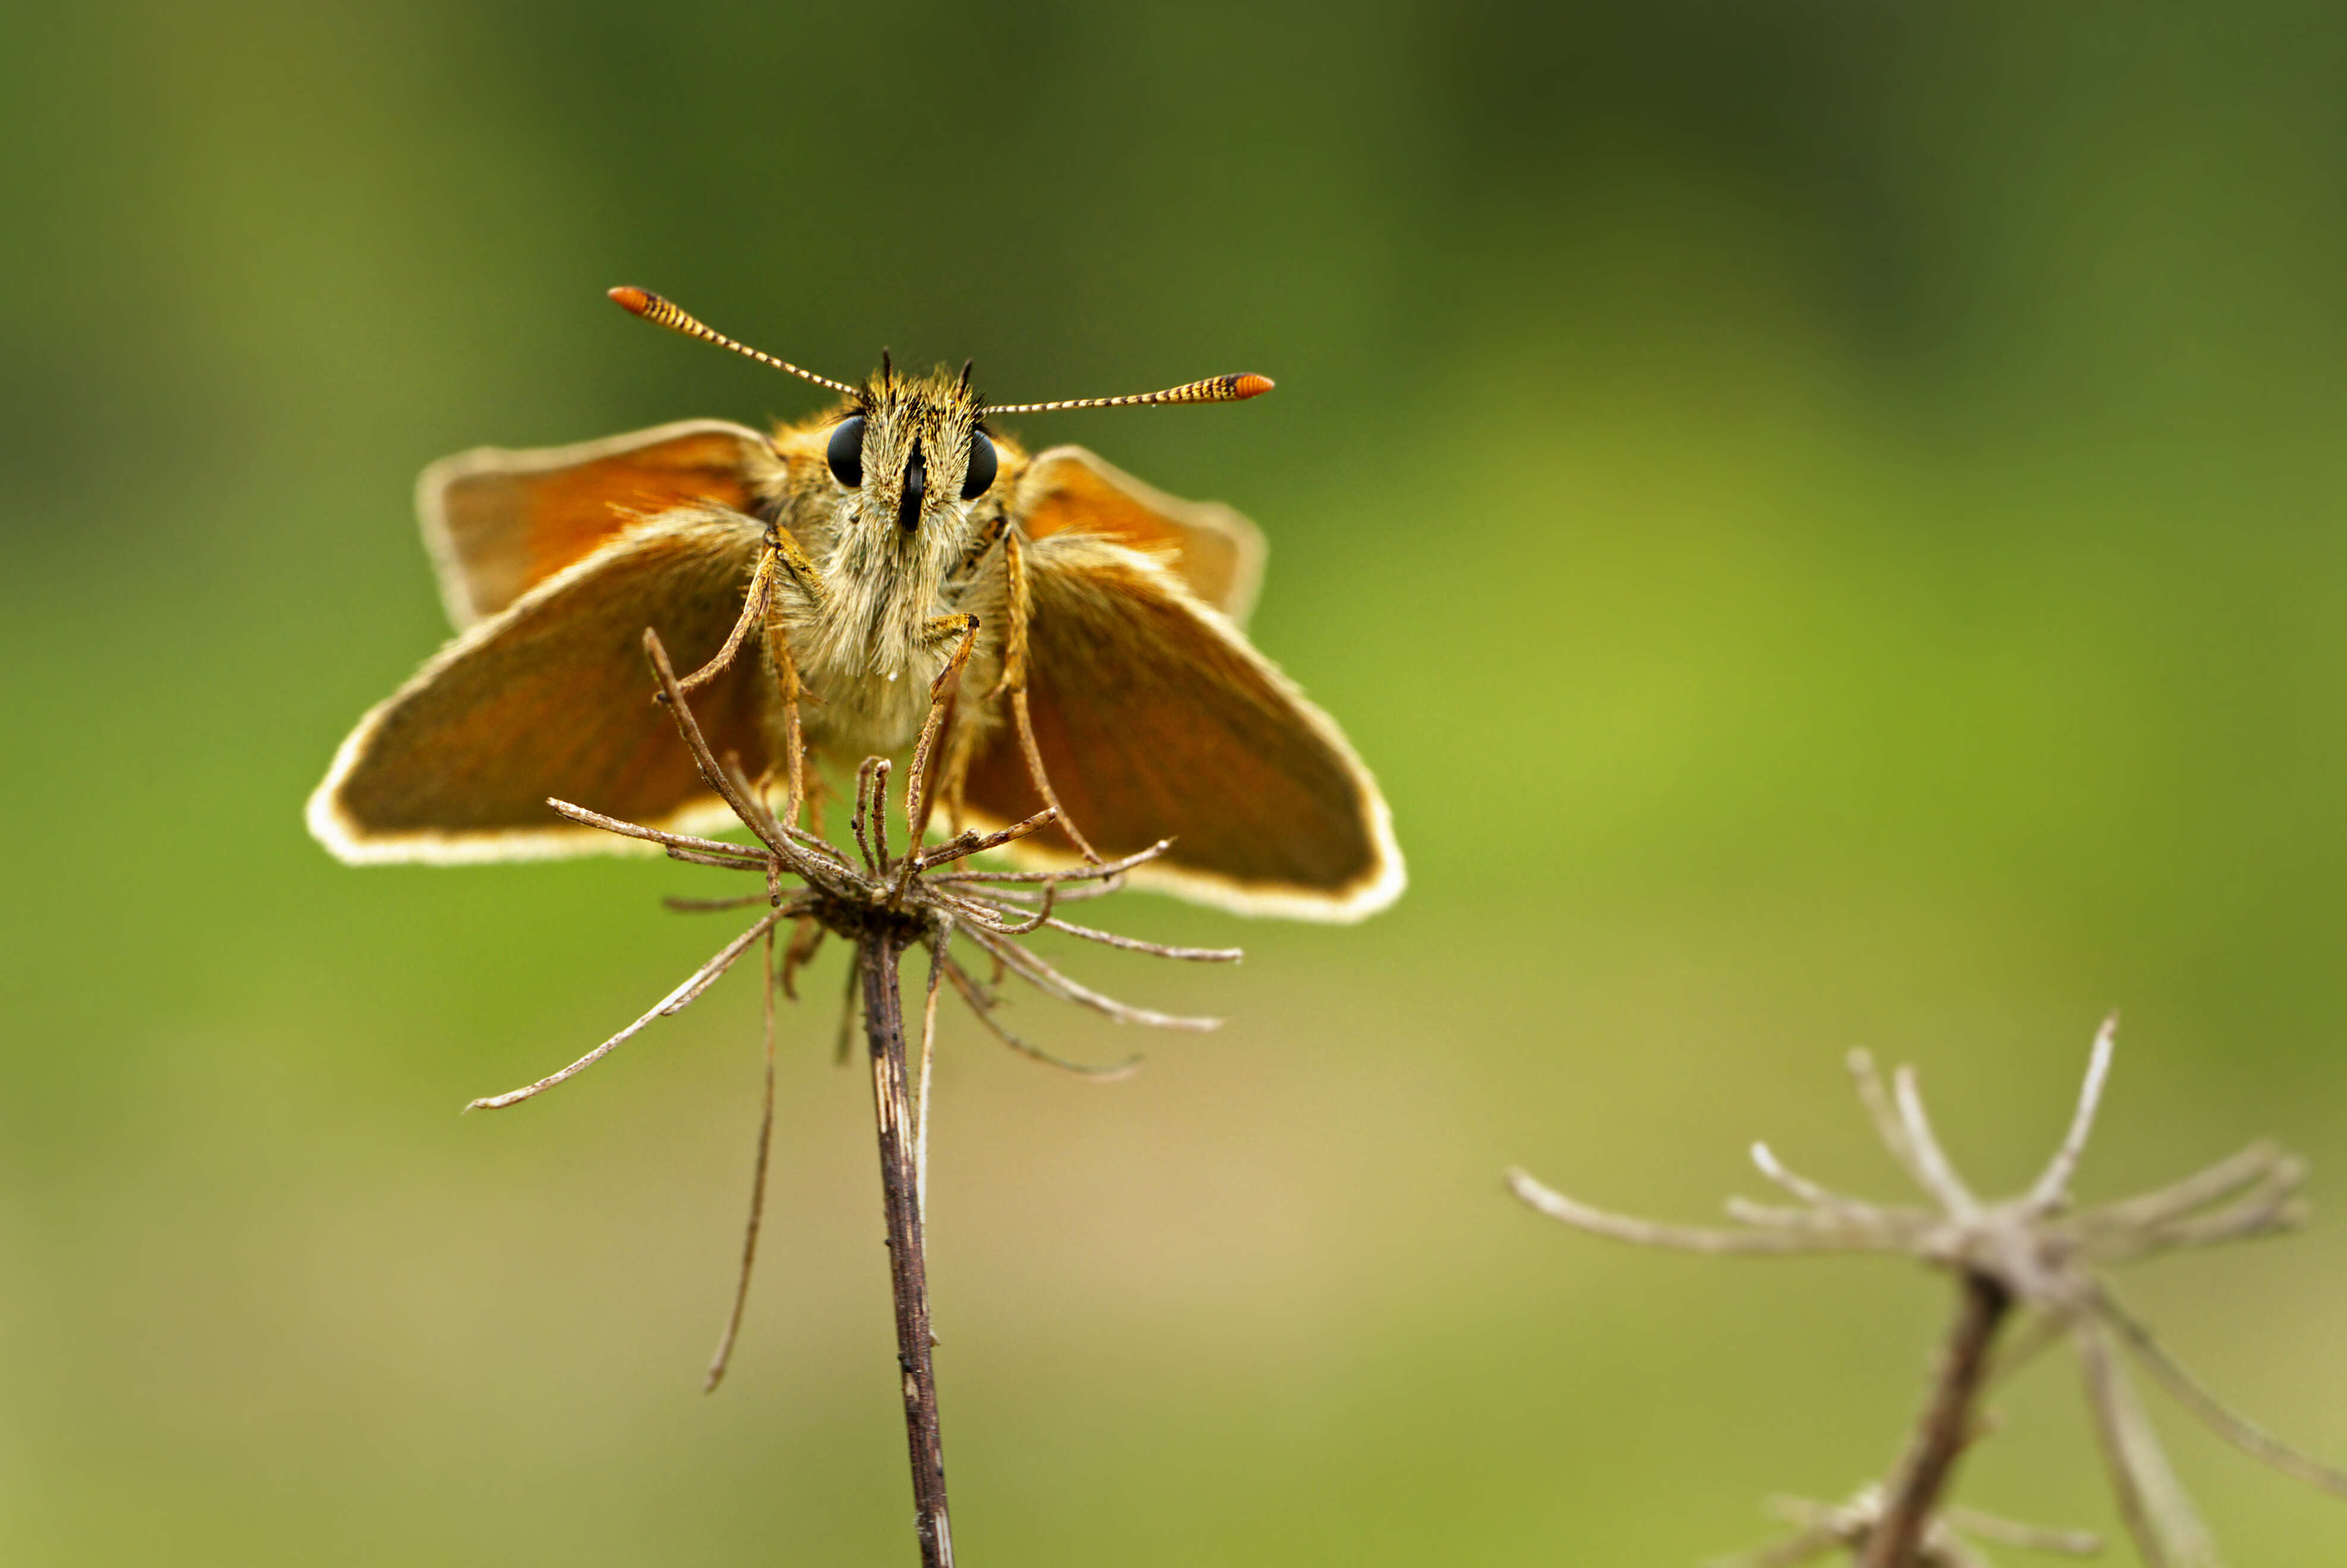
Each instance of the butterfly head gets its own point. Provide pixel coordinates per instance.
(910, 454)
(913, 465)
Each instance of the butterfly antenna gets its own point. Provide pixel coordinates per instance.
(652, 308)
(1214, 389)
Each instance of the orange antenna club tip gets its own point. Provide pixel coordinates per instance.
(663, 313)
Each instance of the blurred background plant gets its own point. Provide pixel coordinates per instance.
(1871, 476)
(2034, 1252)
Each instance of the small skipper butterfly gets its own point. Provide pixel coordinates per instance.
(1090, 628)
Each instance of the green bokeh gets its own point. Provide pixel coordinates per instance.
(1827, 519)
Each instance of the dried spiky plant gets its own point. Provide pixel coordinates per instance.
(1949, 1541)
(885, 903)
(2030, 1252)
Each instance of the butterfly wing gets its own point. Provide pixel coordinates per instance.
(553, 696)
(499, 522)
(1156, 719)
(1216, 553)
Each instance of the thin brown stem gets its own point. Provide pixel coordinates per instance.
(2222, 1179)
(822, 848)
(1556, 1205)
(765, 824)
(973, 842)
(928, 1071)
(2218, 1417)
(877, 952)
(2108, 1402)
(1052, 982)
(859, 820)
(821, 868)
(724, 1357)
(719, 862)
(806, 940)
(846, 1035)
(700, 980)
(1155, 949)
(1946, 1427)
(703, 758)
(2053, 1189)
(716, 846)
(682, 906)
(1099, 870)
(1075, 887)
(982, 1004)
(1002, 920)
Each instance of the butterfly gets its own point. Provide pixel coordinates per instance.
(1084, 632)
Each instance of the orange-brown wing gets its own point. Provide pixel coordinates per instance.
(553, 697)
(1156, 719)
(1215, 552)
(498, 523)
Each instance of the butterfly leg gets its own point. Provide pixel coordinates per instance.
(754, 610)
(783, 559)
(962, 734)
(791, 561)
(918, 795)
(1017, 603)
(786, 676)
(961, 749)
(1014, 681)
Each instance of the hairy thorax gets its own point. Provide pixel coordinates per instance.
(865, 667)
(866, 638)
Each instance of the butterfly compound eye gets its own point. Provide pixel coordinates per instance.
(982, 464)
(845, 453)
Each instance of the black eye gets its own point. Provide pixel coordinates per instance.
(982, 464)
(845, 453)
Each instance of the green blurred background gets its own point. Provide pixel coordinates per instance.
(1826, 517)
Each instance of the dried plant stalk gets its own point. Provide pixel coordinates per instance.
(2028, 1253)
(877, 955)
(882, 905)
(1944, 1430)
